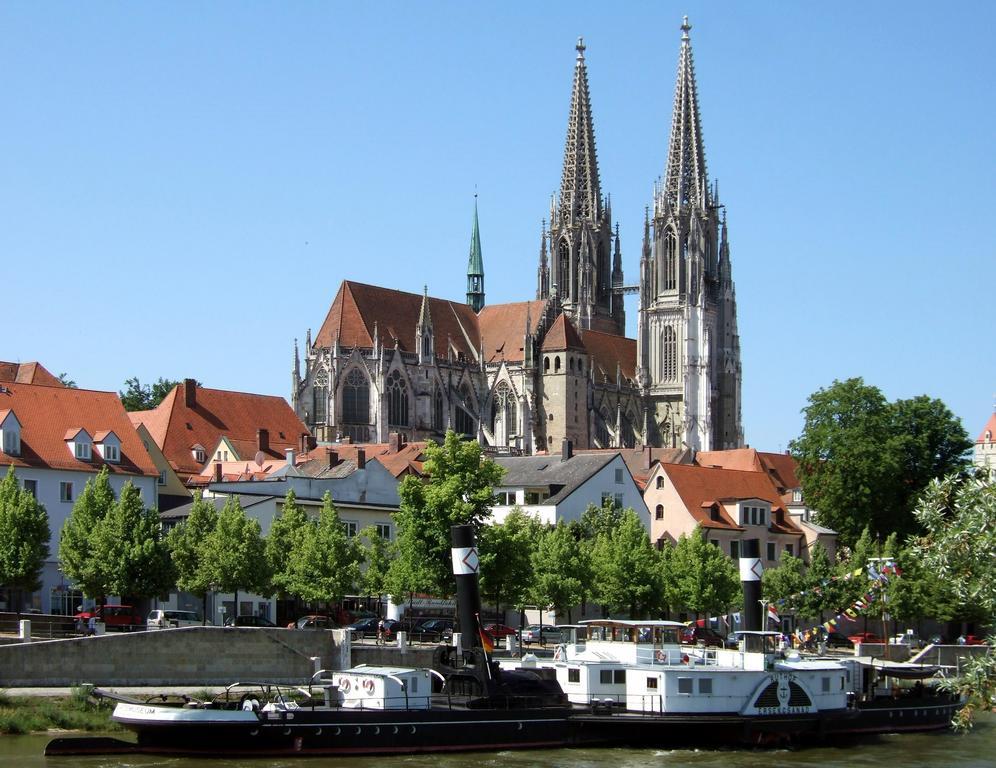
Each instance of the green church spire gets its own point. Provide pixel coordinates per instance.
(475, 267)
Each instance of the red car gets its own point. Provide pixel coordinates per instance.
(702, 636)
(865, 637)
(499, 631)
(973, 640)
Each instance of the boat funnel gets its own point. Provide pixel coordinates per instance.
(465, 567)
(750, 577)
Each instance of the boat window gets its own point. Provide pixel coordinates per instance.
(684, 685)
(414, 685)
(826, 685)
(619, 676)
(705, 685)
(573, 675)
(651, 683)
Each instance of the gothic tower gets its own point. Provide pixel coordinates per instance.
(475, 267)
(581, 268)
(688, 346)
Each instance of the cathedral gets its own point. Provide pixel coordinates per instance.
(525, 376)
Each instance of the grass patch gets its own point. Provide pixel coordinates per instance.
(76, 712)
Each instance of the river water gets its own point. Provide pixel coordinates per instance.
(934, 750)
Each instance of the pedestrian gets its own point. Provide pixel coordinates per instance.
(381, 627)
(91, 625)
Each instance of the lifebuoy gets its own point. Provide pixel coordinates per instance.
(344, 685)
(684, 658)
(660, 656)
(368, 686)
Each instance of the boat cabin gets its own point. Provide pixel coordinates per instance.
(366, 687)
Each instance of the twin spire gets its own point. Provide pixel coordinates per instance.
(685, 173)
(580, 192)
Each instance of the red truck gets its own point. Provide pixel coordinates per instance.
(118, 618)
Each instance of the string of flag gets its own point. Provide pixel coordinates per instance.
(874, 573)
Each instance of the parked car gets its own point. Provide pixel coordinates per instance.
(116, 618)
(368, 628)
(541, 633)
(702, 636)
(164, 618)
(865, 637)
(248, 621)
(313, 622)
(499, 631)
(971, 640)
(433, 630)
(910, 641)
(837, 640)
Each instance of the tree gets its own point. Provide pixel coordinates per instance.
(142, 397)
(506, 551)
(786, 582)
(561, 570)
(863, 460)
(627, 569)
(77, 542)
(595, 521)
(700, 577)
(186, 545)
(376, 553)
(130, 540)
(459, 491)
(66, 381)
(325, 561)
(24, 536)
(958, 516)
(234, 553)
(824, 593)
(286, 529)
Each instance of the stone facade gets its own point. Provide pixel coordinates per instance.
(522, 377)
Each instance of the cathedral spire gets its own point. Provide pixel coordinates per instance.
(475, 267)
(580, 193)
(685, 172)
(543, 273)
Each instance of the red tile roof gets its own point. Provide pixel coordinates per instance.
(641, 460)
(700, 487)
(990, 428)
(27, 373)
(562, 336)
(358, 307)
(49, 413)
(607, 350)
(408, 460)
(217, 413)
(781, 467)
(503, 328)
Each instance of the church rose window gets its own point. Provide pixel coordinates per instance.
(356, 399)
(397, 400)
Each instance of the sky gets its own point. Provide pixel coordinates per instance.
(185, 185)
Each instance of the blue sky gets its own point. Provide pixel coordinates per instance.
(184, 185)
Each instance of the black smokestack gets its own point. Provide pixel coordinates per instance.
(750, 576)
(465, 564)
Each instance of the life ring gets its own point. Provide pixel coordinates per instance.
(684, 658)
(344, 685)
(368, 686)
(559, 653)
(660, 656)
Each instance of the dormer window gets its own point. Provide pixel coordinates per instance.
(10, 433)
(79, 443)
(754, 514)
(108, 446)
(199, 454)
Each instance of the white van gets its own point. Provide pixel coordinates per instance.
(166, 618)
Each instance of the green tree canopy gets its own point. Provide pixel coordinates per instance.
(78, 550)
(506, 551)
(459, 490)
(700, 577)
(288, 526)
(786, 582)
(958, 516)
(130, 539)
(186, 543)
(141, 397)
(234, 553)
(24, 536)
(325, 561)
(863, 460)
(376, 554)
(561, 570)
(627, 569)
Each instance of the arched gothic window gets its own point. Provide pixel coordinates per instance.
(556, 363)
(356, 398)
(564, 271)
(504, 413)
(670, 261)
(397, 400)
(546, 363)
(427, 346)
(318, 409)
(669, 355)
(437, 411)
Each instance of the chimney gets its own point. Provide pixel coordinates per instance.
(395, 442)
(304, 442)
(333, 459)
(263, 440)
(566, 450)
(290, 457)
(750, 580)
(217, 471)
(361, 458)
(647, 459)
(190, 393)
